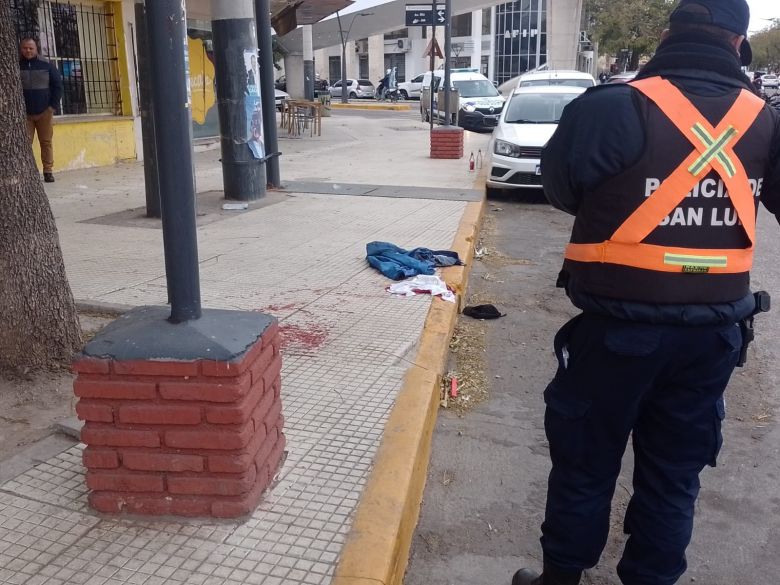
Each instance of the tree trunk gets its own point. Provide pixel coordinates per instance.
(38, 320)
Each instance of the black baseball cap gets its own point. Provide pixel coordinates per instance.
(731, 15)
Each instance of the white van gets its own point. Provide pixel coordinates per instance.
(547, 77)
(479, 105)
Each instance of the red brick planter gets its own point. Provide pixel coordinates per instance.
(188, 438)
(447, 142)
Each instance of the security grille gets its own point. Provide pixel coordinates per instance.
(79, 38)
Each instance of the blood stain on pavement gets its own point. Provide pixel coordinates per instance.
(309, 337)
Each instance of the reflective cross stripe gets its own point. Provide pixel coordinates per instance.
(714, 149)
(686, 260)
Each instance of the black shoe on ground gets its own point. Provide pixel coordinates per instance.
(527, 577)
(48, 177)
(550, 576)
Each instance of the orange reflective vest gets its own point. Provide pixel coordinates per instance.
(713, 150)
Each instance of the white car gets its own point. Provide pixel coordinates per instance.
(548, 77)
(526, 125)
(479, 105)
(280, 97)
(411, 89)
(770, 81)
(357, 88)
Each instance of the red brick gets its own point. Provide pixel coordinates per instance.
(146, 461)
(261, 457)
(155, 368)
(272, 372)
(91, 366)
(206, 391)
(222, 369)
(95, 412)
(114, 389)
(106, 502)
(240, 506)
(277, 388)
(275, 458)
(212, 486)
(116, 502)
(110, 437)
(237, 413)
(124, 482)
(240, 461)
(192, 507)
(272, 417)
(159, 414)
(261, 364)
(261, 410)
(100, 458)
(148, 505)
(221, 439)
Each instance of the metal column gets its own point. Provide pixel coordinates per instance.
(238, 99)
(308, 62)
(151, 182)
(267, 91)
(447, 62)
(167, 33)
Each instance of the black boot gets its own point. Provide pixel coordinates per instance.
(527, 577)
(550, 576)
(48, 177)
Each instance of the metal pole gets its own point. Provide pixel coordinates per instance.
(433, 64)
(151, 181)
(447, 53)
(267, 91)
(308, 63)
(238, 99)
(344, 88)
(167, 28)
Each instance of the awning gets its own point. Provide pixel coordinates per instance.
(287, 15)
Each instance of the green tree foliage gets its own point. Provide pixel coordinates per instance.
(766, 47)
(635, 25)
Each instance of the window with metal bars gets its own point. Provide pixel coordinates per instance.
(79, 38)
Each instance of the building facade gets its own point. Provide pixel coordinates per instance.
(501, 42)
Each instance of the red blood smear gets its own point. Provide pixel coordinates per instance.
(308, 337)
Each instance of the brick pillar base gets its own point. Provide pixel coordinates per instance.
(447, 142)
(184, 419)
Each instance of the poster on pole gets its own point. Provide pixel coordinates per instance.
(254, 105)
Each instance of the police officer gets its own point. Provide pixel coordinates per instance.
(665, 198)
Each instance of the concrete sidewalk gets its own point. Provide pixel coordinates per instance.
(348, 347)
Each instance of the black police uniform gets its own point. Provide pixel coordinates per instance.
(652, 353)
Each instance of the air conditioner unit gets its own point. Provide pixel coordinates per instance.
(404, 45)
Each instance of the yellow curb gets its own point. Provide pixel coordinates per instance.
(378, 545)
(392, 107)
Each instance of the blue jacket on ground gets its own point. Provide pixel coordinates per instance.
(397, 263)
(41, 84)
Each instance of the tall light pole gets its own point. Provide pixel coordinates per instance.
(344, 40)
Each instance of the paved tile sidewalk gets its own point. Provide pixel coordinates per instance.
(347, 346)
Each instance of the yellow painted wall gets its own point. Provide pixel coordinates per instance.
(80, 143)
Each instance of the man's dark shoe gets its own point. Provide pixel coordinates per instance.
(48, 177)
(527, 577)
(551, 576)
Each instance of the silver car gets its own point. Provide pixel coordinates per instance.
(356, 88)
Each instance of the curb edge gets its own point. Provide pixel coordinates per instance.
(379, 543)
